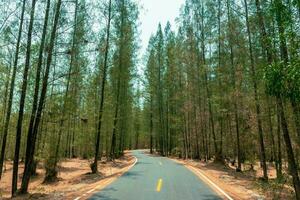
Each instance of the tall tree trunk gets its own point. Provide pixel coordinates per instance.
(289, 149)
(284, 56)
(296, 113)
(115, 123)
(279, 156)
(151, 124)
(236, 116)
(273, 147)
(255, 87)
(51, 169)
(94, 166)
(22, 102)
(35, 98)
(208, 92)
(268, 48)
(5, 100)
(11, 92)
(38, 114)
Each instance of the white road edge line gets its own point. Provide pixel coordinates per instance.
(90, 191)
(208, 180)
(77, 198)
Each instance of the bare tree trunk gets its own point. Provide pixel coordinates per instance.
(296, 113)
(94, 166)
(151, 124)
(233, 70)
(284, 56)
(273, 147)
(289, 149)
(11, 92)
(36, 93)
(22, 102)
(5, 100)
(279, 159)
(51, 169)
(267, 46)
(208, 92)
(257, 103)
(113, 144)
(38, 114)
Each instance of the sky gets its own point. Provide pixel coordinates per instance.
(155, 12)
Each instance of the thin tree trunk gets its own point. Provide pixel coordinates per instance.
(279, 156)
(51, 170)
(11, 92)
(26, 176)
(267, 46)
(296, 113)
(284, 56)
(35, 97)
(94, 166)
(257, 103)
(289, 149)
(236, 116)
(273, 147)
(5, 100)
(22, 102)
(151, 124)
(208, 93)
(115, 123)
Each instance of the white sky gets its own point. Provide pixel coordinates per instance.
(153, 12)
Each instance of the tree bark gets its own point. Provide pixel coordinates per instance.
(235, 104)
(94, 166)
(29, 154)
(289, 149)
(255, 87)
(11, 92)
(38, 114)
(51, 170)
(22, 102)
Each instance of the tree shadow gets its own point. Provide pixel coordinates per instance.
(209, 197)
(101, 195)
(143, 163)
(132, 174)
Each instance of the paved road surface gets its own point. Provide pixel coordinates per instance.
(156, 178)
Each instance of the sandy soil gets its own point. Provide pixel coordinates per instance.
(74, 179)
(240, 186)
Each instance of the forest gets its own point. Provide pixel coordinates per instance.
(221, 85)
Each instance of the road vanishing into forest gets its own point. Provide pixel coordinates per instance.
(157, 178)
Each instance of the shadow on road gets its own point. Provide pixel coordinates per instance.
(132, 174)
(143, 163)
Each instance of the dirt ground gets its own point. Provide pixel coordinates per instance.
(75, 179)
(241, 186)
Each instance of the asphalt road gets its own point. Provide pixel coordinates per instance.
(156, 178)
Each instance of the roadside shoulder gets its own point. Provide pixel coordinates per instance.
(227, 186)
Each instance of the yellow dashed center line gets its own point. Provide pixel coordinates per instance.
(159, 185)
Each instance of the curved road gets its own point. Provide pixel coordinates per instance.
(156, 178)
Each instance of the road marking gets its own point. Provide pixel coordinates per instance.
(160, 163)
(214, 185)
(159, 185)
(90, 191)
